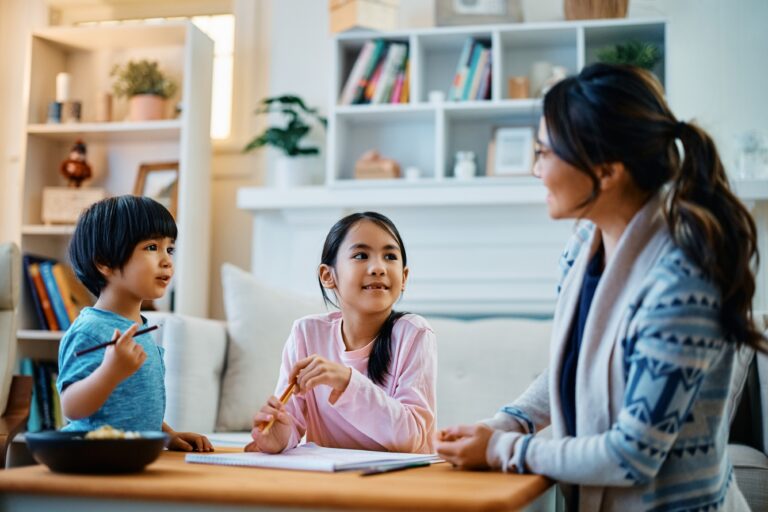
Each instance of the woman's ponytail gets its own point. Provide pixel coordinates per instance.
(714, 229)
(610, 113)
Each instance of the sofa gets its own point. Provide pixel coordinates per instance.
(219, 373)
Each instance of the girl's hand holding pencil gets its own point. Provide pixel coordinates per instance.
(272, 425)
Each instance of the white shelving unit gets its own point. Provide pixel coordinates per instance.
(427, 135)
(116, 149)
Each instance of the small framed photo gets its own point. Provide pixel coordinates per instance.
(473, 12)
(512, 150)
(160, 181)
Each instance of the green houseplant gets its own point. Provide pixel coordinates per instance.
(287, 138)
(633, 53)
(146, 87)
(290, 169)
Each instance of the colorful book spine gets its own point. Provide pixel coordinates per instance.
(478, 73)
(472, 69)
(484, 93)
(456, 85)
(348, 93)
(394, 61)
(54, 295)
(58, 413)
(45, 303)
(66, 293)
(378, 51)
(37, 301)
(34, 421)
(405, 96)
(43, 390)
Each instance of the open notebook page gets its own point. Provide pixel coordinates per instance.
(310, 457)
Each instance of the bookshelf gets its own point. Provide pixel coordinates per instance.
(117, 148)
(427, 134)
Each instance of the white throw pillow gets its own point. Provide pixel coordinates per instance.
(259, 320)
(485, 364)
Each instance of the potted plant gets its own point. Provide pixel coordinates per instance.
(146, 88)
(290, 168)
(632, 53)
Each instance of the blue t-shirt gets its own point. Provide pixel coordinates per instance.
(137, 403)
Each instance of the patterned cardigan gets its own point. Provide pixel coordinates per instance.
(652, 383)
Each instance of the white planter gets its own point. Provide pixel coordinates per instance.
(293, 171)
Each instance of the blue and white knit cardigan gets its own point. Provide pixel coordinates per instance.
(651, 384)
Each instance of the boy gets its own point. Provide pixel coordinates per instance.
(122, 252)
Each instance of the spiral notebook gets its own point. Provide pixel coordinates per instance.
(310, 457)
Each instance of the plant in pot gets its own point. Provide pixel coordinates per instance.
(632, 53)
(291, 167)
(146, 87)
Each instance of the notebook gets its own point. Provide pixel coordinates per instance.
(310, 457)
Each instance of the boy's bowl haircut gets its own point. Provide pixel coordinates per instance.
(71, 452)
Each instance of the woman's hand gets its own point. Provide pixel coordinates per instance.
(275, 440)
(465, 445)
(188, 442)
(122, 359)
(315, 370)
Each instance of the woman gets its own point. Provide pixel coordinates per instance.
(654, 298)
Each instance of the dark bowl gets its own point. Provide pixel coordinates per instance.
(70, 452)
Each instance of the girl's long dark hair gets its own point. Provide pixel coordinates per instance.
(381, 354)
(609, 114)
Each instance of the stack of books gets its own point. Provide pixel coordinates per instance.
(45, 411)
(379, 75)
(472, 80)
(56, 293)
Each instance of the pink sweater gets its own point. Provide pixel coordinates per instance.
(398, 416)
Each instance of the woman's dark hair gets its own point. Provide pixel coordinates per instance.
(610, 113)
(378, 362)
(108, 231)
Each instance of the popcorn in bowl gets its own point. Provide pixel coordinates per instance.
(109, 432)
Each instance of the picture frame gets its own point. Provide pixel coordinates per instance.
(476, 12)
(512, 152)
(160, 181)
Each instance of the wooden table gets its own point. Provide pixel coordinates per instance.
(171, 484)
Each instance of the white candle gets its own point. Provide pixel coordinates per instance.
(62, 87)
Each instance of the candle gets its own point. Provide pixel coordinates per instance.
(62, 87)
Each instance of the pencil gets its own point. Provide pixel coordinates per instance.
(283, 400)
(112, 342)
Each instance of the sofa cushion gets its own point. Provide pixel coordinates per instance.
(195, 350)
(751, 468)
(484, 364)
(259, 320)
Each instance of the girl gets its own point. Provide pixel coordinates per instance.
(365, 375)
(122, 252)
(654, 299)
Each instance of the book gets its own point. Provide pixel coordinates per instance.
(34, 421)
(27, 260)
(54, 295)
(471, 71)
(379, 50)
(58, 413)
(484, 92)
(395, 57)
(73, 293)
(310, 457)
(456, 86)
(42, 296)
(356, 74)
(43, 391)
(478, 73)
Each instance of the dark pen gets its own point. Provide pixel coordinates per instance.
(112, 342)
(389, 468)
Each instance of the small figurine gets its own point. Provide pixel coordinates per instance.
(75, 168)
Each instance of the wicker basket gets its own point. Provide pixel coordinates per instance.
(595, 9)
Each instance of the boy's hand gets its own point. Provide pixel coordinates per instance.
(188, 442)
(276, 439)
(315, 370)
(124, 357)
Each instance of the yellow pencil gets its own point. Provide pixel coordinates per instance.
(283, 400)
